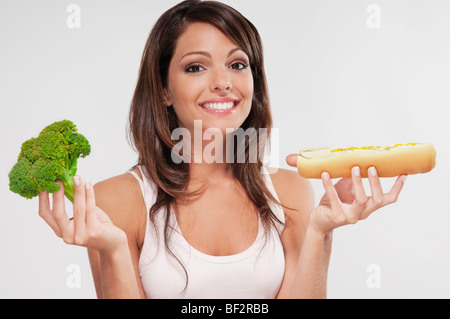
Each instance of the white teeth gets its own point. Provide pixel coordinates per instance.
(218, 106)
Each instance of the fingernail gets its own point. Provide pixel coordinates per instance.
(373, 171)
(76, 180)
(404, 178)
(325, 176)
(356, 171)
(87, 185)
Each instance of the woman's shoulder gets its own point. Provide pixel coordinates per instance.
(124, 187)
(121, 198)
(292, 190)
(290, 185)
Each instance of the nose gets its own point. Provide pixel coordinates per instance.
(221, 81)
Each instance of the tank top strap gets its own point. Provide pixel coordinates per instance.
(148, 188)
(141, 182)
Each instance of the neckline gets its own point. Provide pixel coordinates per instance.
(253, 248)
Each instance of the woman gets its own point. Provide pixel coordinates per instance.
(195, 228)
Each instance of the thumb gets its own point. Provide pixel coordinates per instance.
(291, 160)
(345, 191)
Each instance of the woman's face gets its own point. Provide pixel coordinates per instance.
(210, 79)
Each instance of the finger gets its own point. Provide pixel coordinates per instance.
(377, 198)
(79, 206)
(393, 194)
(291, 160)
(331, 192)
(60, 216)
(358, 189)
(46, 214)
(91, 218)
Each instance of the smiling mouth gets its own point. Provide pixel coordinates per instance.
(220, 105)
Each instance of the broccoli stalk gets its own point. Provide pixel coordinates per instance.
(67, 180)
(50, 157)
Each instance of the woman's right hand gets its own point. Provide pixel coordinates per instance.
(90, 226)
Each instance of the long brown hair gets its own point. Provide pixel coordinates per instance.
(151, 121)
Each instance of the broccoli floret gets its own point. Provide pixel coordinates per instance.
(50, 157)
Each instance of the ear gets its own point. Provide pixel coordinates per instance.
(167, 98)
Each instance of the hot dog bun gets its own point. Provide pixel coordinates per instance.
(390, 161)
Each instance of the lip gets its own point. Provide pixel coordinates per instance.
(237, 102)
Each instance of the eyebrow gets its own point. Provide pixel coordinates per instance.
(207, 54)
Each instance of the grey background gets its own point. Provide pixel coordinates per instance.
(333, 81)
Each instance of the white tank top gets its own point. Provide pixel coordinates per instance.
(254, 273)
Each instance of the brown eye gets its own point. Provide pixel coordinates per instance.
(238, 66)
(194, 68)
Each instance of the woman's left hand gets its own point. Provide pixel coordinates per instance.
(347, 202)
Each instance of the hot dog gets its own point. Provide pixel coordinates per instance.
(390, 161)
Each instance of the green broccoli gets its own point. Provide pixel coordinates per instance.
(50, 157)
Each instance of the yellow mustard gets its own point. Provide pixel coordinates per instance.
(373, 147)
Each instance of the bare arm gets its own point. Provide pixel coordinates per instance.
(117, 274)
(344, 203)
(307, 254)
(112, 273)
(311, 274)
(91, 227)
(105, 270)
